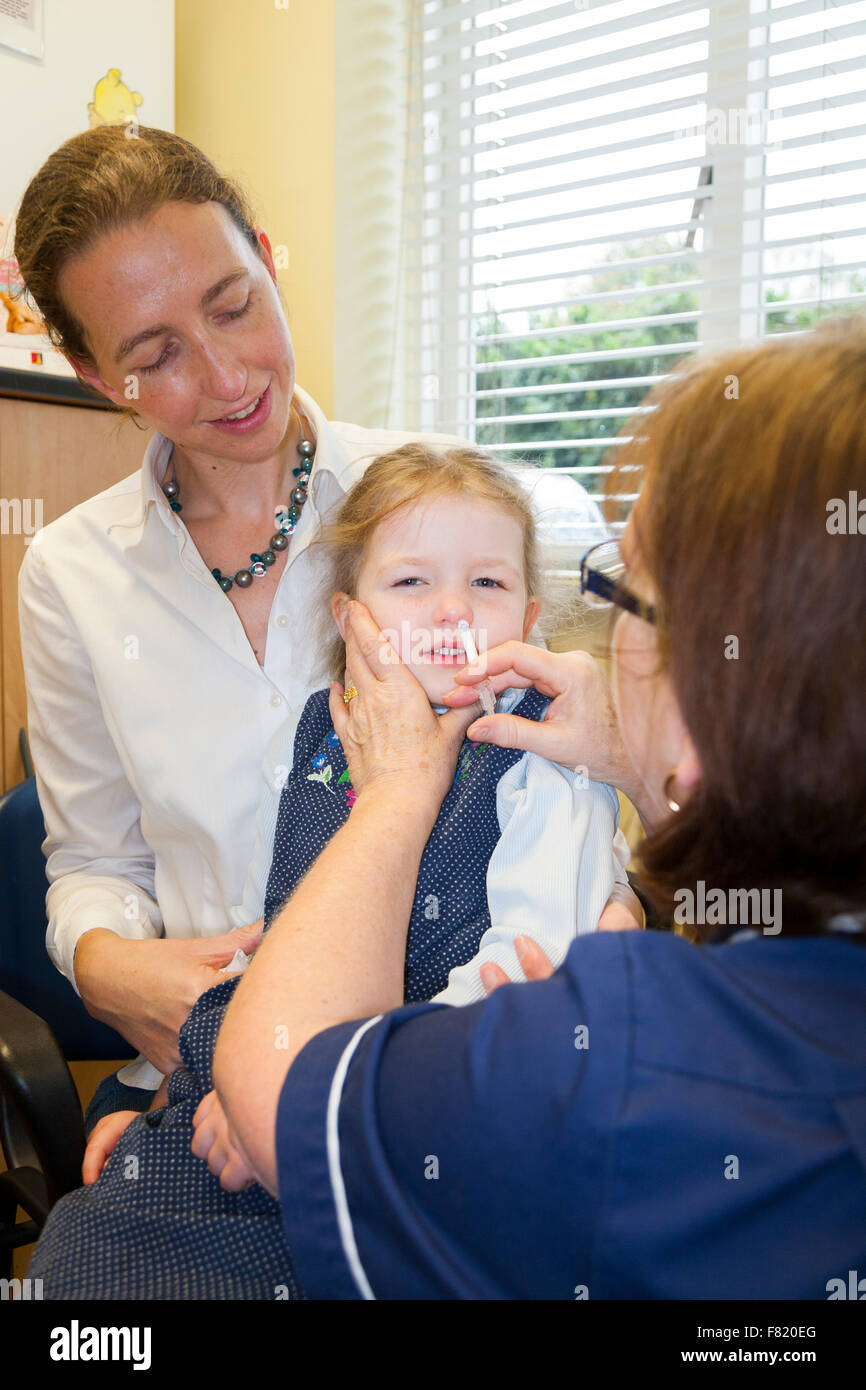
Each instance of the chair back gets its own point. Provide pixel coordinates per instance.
(26, 970)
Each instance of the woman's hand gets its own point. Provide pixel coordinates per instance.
(103, 1142)
(215, 1141)
(390, 734)
(145, 989)
(580, 728)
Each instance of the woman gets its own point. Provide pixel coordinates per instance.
(657, 1119)
(163, 622)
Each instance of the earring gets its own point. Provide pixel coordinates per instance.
(666, 792)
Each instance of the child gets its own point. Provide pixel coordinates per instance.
(520, 846)
(487, 848)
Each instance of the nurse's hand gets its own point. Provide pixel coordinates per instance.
(390, 734)
(580, 728)
(618, 915)
(145, 989)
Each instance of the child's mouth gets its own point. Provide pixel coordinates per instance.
(448, 656)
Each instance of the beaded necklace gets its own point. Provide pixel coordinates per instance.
(286, 518)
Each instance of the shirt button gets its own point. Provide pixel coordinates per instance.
(282, 620)
(276, 699)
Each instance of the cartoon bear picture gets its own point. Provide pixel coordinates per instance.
(113, 103)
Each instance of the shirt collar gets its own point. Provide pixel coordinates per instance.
(330, 458)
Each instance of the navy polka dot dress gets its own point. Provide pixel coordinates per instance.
(157, 1225)
(450, 914)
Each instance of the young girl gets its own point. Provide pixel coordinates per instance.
(521, 846)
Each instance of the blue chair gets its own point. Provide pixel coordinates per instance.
(43, 1023)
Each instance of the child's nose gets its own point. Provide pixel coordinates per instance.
(450, 608)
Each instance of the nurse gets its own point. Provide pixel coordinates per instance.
(658, 1119)
(164, 623)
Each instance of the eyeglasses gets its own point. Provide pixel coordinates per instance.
(601, 572)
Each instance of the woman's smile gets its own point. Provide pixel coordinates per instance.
(247, 418)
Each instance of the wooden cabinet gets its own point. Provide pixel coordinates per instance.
(51, 458)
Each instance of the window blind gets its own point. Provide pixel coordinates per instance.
(595, 191)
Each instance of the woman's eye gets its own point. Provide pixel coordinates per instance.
(160, 361)
(164, 357)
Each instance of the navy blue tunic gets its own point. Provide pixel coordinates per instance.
(157, 1224)
(656, 1120)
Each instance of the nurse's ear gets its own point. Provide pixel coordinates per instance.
(688, 769)
(530, 617)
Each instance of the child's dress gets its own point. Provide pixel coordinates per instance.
(157, 1224)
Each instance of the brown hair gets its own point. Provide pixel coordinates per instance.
(99, 181)
(414, 473)
(743, 457)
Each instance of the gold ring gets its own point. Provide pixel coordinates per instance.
(349, 694)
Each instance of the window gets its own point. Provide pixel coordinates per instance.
(594, 191)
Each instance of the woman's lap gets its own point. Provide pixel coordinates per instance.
(157, 1224)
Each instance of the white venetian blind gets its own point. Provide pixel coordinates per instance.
(593, 191)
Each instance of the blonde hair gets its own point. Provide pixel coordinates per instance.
(414, 473)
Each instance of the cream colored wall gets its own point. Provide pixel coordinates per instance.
(254, 88)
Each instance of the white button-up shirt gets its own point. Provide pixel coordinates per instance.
(148, 713)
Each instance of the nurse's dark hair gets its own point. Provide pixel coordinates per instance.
(750, 461)
(98, 181)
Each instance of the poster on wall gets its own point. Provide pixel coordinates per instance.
(99, 62)
(21, 26)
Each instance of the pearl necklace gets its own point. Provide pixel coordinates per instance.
(286, 518)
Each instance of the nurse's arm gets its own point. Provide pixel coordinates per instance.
(335, 952)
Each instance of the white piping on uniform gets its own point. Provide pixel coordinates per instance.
(344, 1218)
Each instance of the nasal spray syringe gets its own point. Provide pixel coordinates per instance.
(485, 687)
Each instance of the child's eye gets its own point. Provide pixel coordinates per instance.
(412, 579)
(486, 580)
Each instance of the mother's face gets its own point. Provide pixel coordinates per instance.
(652, 726)
(185, 324)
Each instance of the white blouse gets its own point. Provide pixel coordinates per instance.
(148, 713)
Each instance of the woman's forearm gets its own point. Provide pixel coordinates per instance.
(335, 952)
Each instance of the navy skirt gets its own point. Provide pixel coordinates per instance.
(157, 1224)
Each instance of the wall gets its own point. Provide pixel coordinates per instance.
(43, 101)
(254, 86)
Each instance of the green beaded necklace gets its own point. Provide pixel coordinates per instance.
(286, 518)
